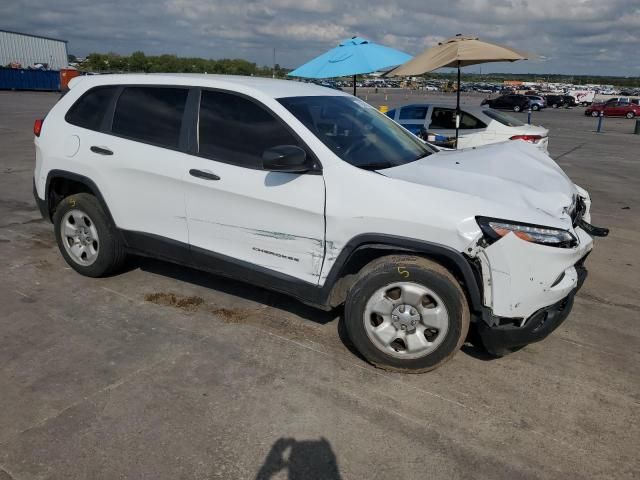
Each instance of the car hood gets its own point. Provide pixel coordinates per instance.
(512, 174)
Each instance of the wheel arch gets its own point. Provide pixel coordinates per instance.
(62, 183)
(363, 249)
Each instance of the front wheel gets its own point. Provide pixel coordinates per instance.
(517, 108)
(535, 108)
(406, 314)
(85, 236)
(630, 115)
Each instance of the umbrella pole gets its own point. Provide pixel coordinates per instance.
(458, 107)
(354, 85)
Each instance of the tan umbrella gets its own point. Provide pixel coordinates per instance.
(458, 52)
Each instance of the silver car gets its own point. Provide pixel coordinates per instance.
(537, 102)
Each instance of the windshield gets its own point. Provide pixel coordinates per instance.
(356, 132)
(503, 118)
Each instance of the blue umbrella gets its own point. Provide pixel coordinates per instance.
(351, 57)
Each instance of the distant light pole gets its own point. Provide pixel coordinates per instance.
(273, 74)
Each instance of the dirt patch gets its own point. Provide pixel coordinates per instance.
(189, 304)
(276, 322)
(43, 265)
(229, 315)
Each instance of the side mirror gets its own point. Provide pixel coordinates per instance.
(285, 158)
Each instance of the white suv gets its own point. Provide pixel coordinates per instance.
(314, 193)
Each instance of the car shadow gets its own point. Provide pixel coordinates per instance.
(301, 460)
(472, 347)
(233, 287)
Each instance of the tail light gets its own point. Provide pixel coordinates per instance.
(527, 138)
(37, 127)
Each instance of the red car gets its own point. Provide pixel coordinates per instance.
(617, 109)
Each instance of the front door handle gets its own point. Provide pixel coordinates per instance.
(203, 174)
(101, 150)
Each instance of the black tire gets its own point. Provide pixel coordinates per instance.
(111, 254)
(397, 268)
(517, 108)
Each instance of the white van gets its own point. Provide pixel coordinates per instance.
(583, 97)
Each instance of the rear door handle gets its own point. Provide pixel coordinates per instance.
(203, 174)
(101, 150)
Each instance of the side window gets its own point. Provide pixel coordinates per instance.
(233, 129)
(469, 122)
(414, 112)
(89, 109)
(391, 113)
(150, 114)
(445, 118)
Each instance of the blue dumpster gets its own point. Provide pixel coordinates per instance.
(22, 79)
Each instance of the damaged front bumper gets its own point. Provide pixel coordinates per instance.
(501, 335)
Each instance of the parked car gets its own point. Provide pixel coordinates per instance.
(513, 102)
(314, 193)
(617, 109)
(558, 101)
(555, 101)
(478, 125)
(538, 102)
(615, 100)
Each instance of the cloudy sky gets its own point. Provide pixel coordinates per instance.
(574, 36)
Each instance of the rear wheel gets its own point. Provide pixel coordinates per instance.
(517, 108)
(406, 314)
(85, 237)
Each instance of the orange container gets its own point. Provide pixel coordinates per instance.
(66, 74)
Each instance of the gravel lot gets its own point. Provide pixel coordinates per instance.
(167, 373)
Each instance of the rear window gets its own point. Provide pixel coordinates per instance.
(89, 109)
(150, 114)
(503, 118)
(414, 112)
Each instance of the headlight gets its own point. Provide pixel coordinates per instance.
(495, 229)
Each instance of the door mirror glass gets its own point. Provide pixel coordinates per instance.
(285, 158)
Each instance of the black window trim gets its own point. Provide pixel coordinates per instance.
(194, 122)
(105, 113)
(107, 119)
(188, 137)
